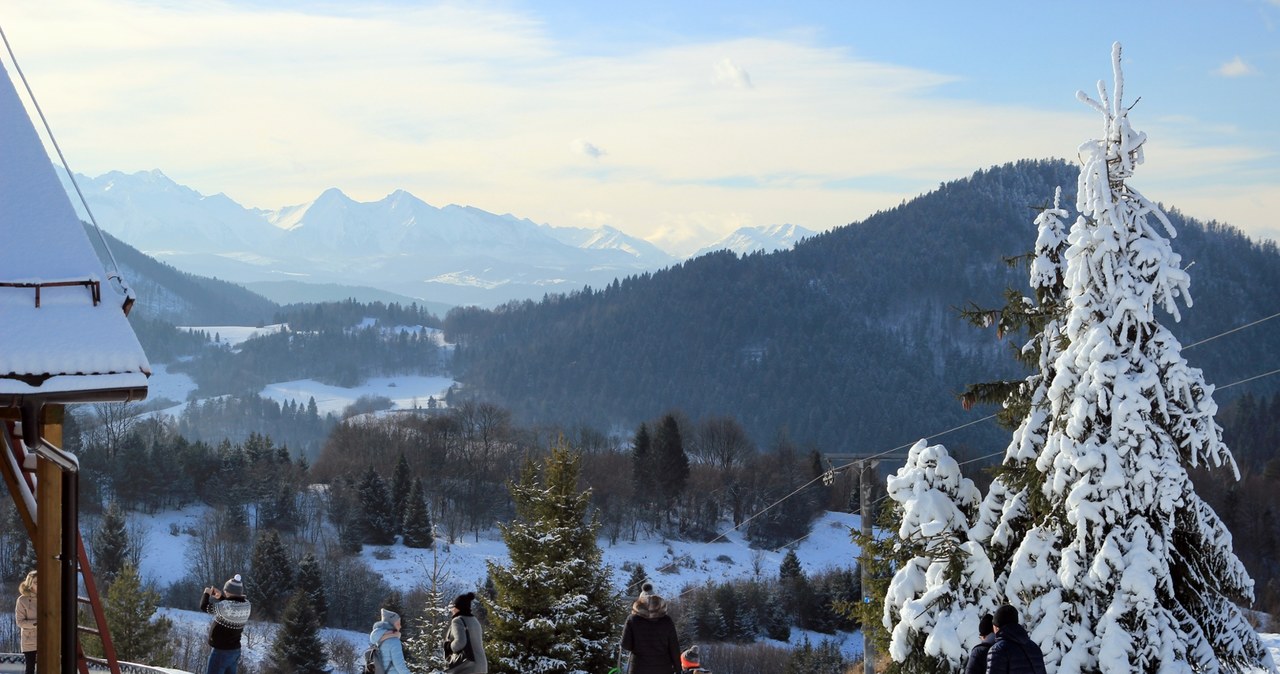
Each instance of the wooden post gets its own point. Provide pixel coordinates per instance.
(49, 565)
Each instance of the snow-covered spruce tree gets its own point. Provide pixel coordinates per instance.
(938, 594)
(1016, 497)
(1146, 579)
(423, 651)
(554, 611)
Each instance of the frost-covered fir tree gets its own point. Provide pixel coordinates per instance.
(554, 611)
(1127, 569)
(423, 651)
(943, 587)
(1015, 498)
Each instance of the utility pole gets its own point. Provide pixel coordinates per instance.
(865, 468)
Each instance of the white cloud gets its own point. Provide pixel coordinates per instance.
(728, 73)
(587, 149)
(473, 106)
(1236, 67)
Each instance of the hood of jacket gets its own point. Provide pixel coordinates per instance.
(1015, 633)
(649, 608)
(379, 629)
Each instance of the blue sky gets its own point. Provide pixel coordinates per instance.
(676, 121)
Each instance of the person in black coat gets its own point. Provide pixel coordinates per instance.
(1013, 652)
(650, 636)
(978, 656)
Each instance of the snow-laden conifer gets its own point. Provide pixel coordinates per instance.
(554, 610)
(938, 594)
(1124, 568)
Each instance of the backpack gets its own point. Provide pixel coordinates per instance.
(373, 661)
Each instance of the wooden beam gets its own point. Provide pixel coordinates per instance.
(48, 549)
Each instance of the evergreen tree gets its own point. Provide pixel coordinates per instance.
(1015, 496)
(671, 461)
(310, 581)
(110, 545)
(130, 607)
(281, 511)
(377, 511)
(271, 574)
(936, 598)
(825, 658)
(636, 581)
(423, 651)
(554, 611)
(790, 567)
(418, 530)
(297, 648)
(401, 483)
(643, 469)
(1127, 418)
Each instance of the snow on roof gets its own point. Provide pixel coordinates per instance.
(68, 342)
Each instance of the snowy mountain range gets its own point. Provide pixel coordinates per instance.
(767, 239)
(399, 244)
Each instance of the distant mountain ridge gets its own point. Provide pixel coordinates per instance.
(399, 244)
(765, 239)
(849, 342)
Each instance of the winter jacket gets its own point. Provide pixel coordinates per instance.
(229, 617)
(653, 643)
(1014, 653)
(457, 640)
(978, 656)
(387, 639)
(25, 615)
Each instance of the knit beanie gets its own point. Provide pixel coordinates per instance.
(1005, 616)
(462, 602)
(390, 617)
(984, 624)
(235, 586)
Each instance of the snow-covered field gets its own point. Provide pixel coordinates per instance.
(233, 335)
(406, 392)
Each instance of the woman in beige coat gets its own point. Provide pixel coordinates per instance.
(25, 615)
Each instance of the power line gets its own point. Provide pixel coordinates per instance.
(966, 425)
(1223, 334)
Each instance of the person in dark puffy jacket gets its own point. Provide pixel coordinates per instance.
(1013, 651)
(650, 636)
(978, 656)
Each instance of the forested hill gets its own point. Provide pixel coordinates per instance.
(173, 296)
(851, 341)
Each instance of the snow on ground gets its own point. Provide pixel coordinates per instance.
(168, 534)
(407, 392)
(233, 335)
